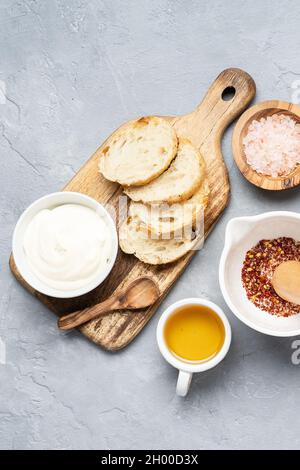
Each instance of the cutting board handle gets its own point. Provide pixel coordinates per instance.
(226, 98)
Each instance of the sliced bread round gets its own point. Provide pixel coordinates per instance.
(134, 240)
(178, 182)
(165, 219)
(139, 151)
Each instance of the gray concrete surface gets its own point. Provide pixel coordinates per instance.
(73, 71)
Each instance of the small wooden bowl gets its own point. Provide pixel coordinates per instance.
(264, 109)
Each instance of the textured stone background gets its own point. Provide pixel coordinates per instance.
(73, 71)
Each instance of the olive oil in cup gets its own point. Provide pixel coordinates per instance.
(193, 335)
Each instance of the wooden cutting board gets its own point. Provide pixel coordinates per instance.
(204, 127)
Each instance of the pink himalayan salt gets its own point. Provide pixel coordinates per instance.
(272, 145)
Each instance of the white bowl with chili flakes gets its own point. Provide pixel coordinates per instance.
(270, 236)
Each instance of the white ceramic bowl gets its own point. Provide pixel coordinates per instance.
(47, 202)
(243, 233)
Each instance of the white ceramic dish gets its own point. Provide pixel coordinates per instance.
(243, 233)
(188, 368)
(47, 202)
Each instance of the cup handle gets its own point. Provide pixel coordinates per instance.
(183, 383)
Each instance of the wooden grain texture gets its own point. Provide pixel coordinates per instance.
(140, 293)
(262, 110)
(204, 127)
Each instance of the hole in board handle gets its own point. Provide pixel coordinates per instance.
(228, 93)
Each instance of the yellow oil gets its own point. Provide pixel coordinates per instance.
(194, 333)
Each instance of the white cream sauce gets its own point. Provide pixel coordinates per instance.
(68, 246)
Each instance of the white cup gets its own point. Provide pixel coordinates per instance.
(188, 368)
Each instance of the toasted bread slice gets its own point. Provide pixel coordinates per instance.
(178, 183)
(135, 241)
(177, 218)
(139, 152)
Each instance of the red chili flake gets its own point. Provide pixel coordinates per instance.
(258, 267)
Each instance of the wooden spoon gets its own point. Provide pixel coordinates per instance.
(286, 281)
(139, 294)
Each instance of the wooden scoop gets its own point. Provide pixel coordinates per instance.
(139, 294)
(286, 281)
